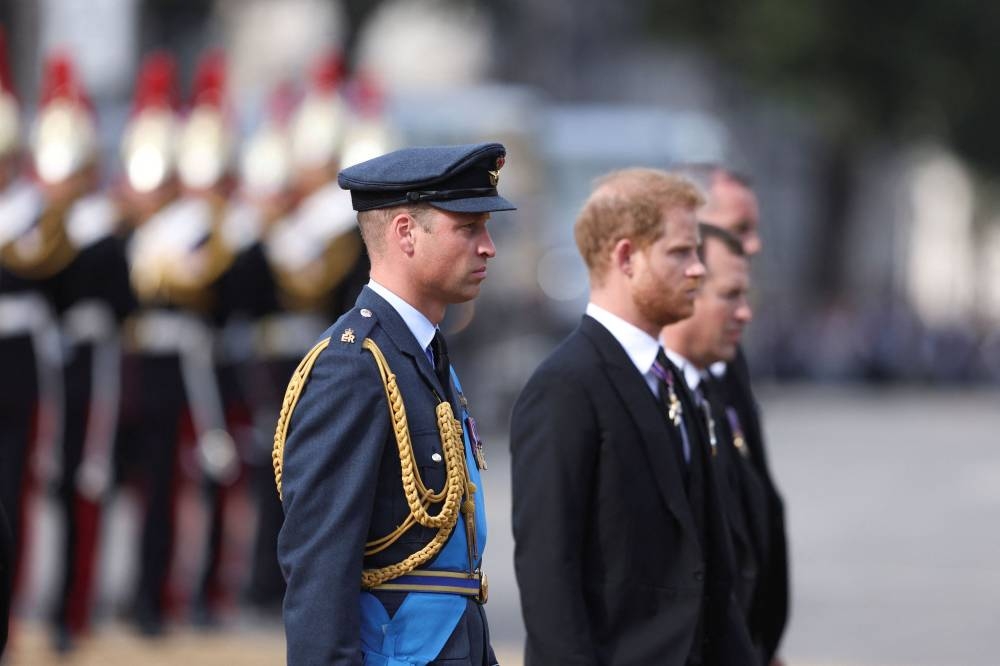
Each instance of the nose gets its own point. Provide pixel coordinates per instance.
(695, 270)
(486, 247)
(744, 313)
(751, 244)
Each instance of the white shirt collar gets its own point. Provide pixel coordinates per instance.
(420, 326)
(692, 375)
(640, 346)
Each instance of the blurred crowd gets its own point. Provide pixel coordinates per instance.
(882, 341)
(148, 328)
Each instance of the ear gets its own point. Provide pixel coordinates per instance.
(401, 229)
(622, 255)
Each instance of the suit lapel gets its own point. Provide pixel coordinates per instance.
(646, 414)
(401, 336)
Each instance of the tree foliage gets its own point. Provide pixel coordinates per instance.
(861, 68)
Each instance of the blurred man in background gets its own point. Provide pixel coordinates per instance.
(622, 549)
(317, 264)
(206, 171)
(712, 335)
(30, 384)
(178, 258)
(92, 297)
(732, 205)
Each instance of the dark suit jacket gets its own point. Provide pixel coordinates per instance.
(745, 498)
(770, 607)
(607, 554)
(341, 486)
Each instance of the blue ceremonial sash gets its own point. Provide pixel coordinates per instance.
(425, 621)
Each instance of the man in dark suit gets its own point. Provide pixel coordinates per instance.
(732, 205)
(622, 551)
(710, 336)
(376, 457)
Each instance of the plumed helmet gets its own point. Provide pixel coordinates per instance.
(10, 117)
(318, 127)
(148, 147)
(266, 161)
(206, 143)
(64, 134)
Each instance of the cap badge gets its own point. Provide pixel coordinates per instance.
(348, 336)
(495, 175)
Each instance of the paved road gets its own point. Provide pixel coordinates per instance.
(893, 506)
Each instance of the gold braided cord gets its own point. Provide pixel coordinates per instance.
(43, 251)
(418, 496)
(292, 394)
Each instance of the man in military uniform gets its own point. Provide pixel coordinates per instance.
(376, 456)
(178, 259)
(622, 550)
(92, 296)
(30, 386)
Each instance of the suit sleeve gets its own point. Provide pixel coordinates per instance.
(554, 446)
(332, 455)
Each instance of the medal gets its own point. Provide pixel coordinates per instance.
(713, 442)
(475, 441)
(674, 411)
(738, 440)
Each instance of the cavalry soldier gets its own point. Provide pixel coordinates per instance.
(265, 196)
(205, 169)
(92, 296)
(376, 456)
(177, 256)
(316, 260)
(29, 343)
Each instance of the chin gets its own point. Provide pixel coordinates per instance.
(726, 354)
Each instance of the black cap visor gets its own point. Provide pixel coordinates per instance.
(474, 205)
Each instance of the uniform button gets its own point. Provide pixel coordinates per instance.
(436, 457)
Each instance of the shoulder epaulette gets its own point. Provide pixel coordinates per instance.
(352, 328)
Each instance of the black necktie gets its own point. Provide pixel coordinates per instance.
(442, 366)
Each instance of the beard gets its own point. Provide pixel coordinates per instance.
(661, 304)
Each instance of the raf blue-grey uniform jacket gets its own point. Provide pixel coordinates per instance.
(341, 487)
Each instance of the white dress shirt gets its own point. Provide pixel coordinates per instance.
(420, 326)
(640, 346)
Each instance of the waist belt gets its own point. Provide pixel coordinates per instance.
(162, 331)
(89, 321)
(289, 335)
(24, 314)
(443, 582)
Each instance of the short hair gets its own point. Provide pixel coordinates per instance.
(373, 223)
(628, 204)
(729, 240)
